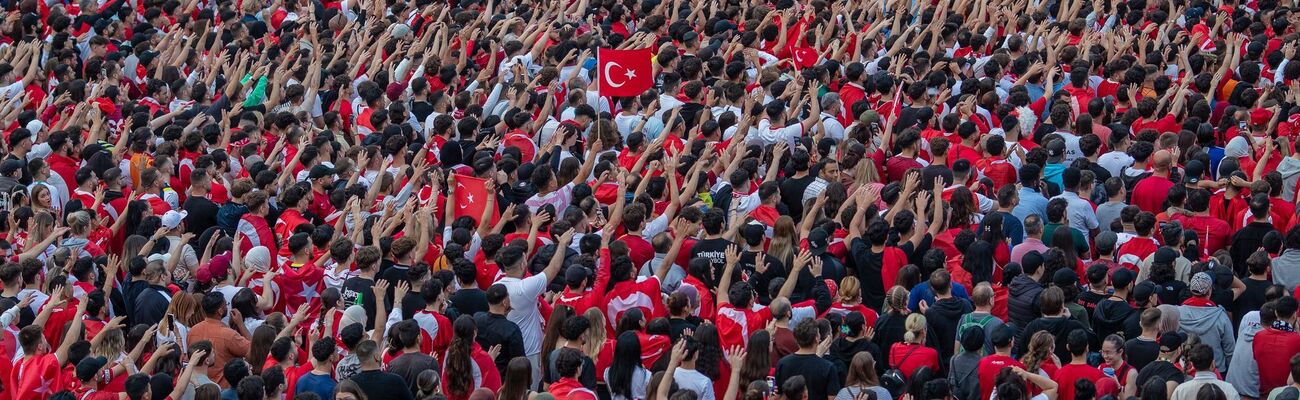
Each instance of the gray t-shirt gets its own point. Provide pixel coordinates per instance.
(1109, 212)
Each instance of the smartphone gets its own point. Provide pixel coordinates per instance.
(1241, 125)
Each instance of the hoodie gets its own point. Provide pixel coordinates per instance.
(943, 316)
(1243, 372)
(842, 351)
(964, 375)
(1286, 268)
(1022, 304)
(1211, 324)
(1060, 327)
(1112, 316)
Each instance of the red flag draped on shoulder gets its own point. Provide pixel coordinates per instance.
(471, 198)
(624, 72)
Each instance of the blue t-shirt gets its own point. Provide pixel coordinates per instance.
(922, 292)
(321, 385)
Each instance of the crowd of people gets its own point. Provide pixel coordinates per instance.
(799, 199)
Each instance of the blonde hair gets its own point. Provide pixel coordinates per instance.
(112, 345)
(596, 335)
(1040, 350)
(850, 289)
(897, 298)
(865, 172)
(79, 223)
(915, 326)
(185, 307)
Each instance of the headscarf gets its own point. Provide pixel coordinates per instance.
(258, 259)
(1237, 147)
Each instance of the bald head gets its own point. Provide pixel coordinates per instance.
(1162, 160)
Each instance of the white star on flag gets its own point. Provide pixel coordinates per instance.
(308, 292)
(45, 386)
(630, 74)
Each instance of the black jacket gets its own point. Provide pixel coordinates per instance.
(1022, 301)
(842, 352)
(943, 316)
(1113, 316)
(494, 329)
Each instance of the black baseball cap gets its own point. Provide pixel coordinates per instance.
(1002, 335)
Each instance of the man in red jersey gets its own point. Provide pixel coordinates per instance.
(1003, 340)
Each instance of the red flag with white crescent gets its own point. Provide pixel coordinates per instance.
(471, 198)
(624, 72)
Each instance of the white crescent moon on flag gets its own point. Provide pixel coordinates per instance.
(608, 76)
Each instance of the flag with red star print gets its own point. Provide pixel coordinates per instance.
(471, 197)
(624, 72)
(37, 377)
(300, 284)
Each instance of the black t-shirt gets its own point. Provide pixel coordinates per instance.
(1163, 369)
(201, 214)
(792, 193)
(466, 302)
(1089, 299)
(409, 366)
(359, 291)
(822, 378)
(868, 265)
(394, 274)
(412, 302)
(678, 326)
(715, 250)
(1250, 300)
(382, 385)
(1140, 352)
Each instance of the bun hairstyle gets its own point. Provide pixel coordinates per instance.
(915, 326)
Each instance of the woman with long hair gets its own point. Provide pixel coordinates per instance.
(519, 375)
(183, 313)
(758, 357)
(41, 237)
(42, 200)
(912, 353)
(712, 362)
(1041, 357)
(260, 346)
(596, 342)
(467, 366)
(1063, 240)
(964, 212)
(978, 263)
(862, 378)
(785, 240)
(992, 231)
(627, 378)
(551, 338)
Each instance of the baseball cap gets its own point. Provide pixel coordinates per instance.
(173, 218)
(1166, 255)
(320, 171)
(216, 270)
(818, 241)
(1143, 291)
(1201, 283)
(10, 166)
(1194, 170)
(692, 294)
(1065, 277)
(1001, 336)
(400, 31)
(1122, 278)
(1105, 241)
(89, 367)
(1170, 341)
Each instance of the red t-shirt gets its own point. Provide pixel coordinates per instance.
(989, 367)
(1067, 375)
(1149, 194)
(896, 167)
(910, 357)
(1273, 350)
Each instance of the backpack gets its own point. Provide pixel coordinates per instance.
(893, 378)
(967, 321)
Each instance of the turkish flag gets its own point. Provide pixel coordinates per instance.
(471, 198)
(624, 72)
(300, 285)
(37, 376)
(805, 57)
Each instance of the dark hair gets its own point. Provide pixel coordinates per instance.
(627, 358)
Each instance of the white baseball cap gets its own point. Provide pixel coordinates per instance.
(172, 219)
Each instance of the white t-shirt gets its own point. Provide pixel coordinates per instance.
(523, 309)
(692, 380)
